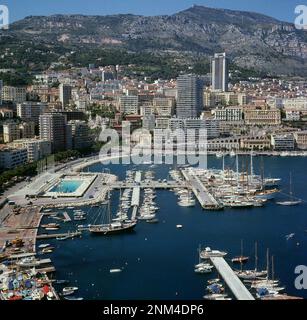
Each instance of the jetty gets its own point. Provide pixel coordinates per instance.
(152, 185)
(67, 218)
(136, 193)
(231, 279)
(204, 197)
(59, 235)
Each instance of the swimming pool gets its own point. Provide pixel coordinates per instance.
(67, 186)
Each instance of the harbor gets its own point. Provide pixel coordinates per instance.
(176, 201)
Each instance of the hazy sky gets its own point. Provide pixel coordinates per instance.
(280, 9)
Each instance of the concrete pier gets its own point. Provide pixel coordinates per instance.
(205, 198)
(233, 282)
(67, 218)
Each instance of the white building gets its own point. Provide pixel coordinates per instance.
(30, 111)
(14, 94)
(129, 104)
(12, 157)
(162, 122)
(293, 115)
(36, 148)
(219, 72)
(283, 142)
(299, 103)
(149, 122)
(230, 114)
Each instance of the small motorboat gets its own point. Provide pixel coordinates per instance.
(205, 269)
(213, 281)
(115, 270)
(215, 296)
(68, 293)
(289, 203)
(240, 259)
(45, 245)
(62, 238)
(69, 289)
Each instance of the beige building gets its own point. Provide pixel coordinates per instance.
(164, 107)
(224, 144)
(301, 139)
(10, 132)
(14, 94)
(13, 131)
(262, 117)
(299, 103)
(6, 113)
(212, 99)
(36, 148)
(255, 143)
(27, 130)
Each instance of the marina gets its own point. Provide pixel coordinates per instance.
(167, 199)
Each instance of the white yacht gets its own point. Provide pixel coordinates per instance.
(208, 253)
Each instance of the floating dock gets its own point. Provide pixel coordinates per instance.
(233, 282)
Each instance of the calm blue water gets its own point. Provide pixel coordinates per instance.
(68, 186)
(158, 259)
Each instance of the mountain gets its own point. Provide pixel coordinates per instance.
(251, 40)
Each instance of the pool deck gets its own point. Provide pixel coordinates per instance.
(85, 181)
(95, 193)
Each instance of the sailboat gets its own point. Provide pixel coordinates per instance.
(267, 283)
(292, 201)
(240, 259)
(252, 274)
(112, 227)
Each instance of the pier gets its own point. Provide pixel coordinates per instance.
(58, 235)
(67, 218)
(205, 198)
(151, 185)
(136, 193)
(233, 282)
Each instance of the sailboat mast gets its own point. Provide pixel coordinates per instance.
(273, 268)
(241, 255)
(109, 208)
(237, 169)
(262, 173)
(256, 256)
(291, 192)
(252, 167)
(267, 264)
